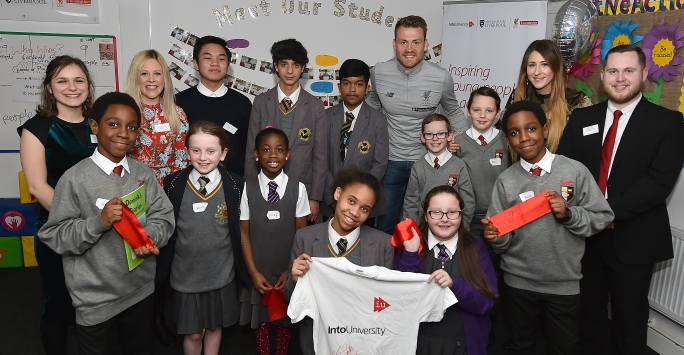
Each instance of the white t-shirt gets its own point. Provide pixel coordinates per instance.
(366, 310)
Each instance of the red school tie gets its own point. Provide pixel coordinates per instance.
(436, 163)
(482, 140)
(536, 171)
(607, 152)
(118, 170)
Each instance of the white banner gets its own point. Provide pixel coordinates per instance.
(70, 11)
(483, 43)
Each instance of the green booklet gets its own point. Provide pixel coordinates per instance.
(136, 202)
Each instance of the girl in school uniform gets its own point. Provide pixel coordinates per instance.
(207, 262)
(160, 145)
(344, 235)
(272, 209)
(456, 259)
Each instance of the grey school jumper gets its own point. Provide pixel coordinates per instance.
(544, 255)
(406, 97)
(478, 159)
(94, 257)
(424, 177)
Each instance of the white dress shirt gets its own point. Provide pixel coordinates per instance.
(488, 136)
(545, 163)
(622, 124)
(443, 158)
(293, 97)
(107, 165)
(334, 237)
(222, 90)
(449, 244)
(214, 179)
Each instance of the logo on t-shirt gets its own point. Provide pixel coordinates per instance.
(379, 304)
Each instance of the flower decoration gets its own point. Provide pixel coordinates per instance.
(660, 46)
(618, 33)
(583, 69)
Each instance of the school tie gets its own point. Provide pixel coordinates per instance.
(286, 104)
(482, 140)
(536, 171)
(442, 255)
(344, 136)
(607, 152)
(436, 163)
(203, 181)
(118, 170)
(273, 196)
(342, 245)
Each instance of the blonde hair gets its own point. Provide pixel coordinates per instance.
(556, 107)
(167, 99)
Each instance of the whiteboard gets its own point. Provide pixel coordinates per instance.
(24, 57)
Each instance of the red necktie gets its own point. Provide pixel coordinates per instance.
(607, 152)
(482, 140)
(436, 163)
(536, 171)
(118, 170)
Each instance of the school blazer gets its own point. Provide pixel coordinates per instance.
(308, 139)
(645, 169)
(175, 185)
(313, 240)
(368, 149)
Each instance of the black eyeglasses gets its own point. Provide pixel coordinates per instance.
(440, 214)
(440, 135)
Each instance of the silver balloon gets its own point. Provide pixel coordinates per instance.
(575, 30)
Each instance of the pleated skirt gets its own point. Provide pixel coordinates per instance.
(206, 310)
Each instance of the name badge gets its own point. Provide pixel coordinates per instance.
(589, 130)
(199, 206)
(230, 128)
(93, 138)
(526, 195)
(273, 215)
(495, 161)
(100, 203)
(164, 127)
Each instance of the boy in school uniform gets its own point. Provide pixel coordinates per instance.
(541, 260)
(110, 300)
(437, 167)
(357, 134)
(300, 115)
(212, 101)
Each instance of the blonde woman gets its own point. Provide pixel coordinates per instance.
(542, 80)
(160, 145)
(161, 139)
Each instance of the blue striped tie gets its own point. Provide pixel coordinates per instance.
(273, 196)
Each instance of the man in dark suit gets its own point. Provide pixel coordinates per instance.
(635, 151)
(357, 134)
(300, 115)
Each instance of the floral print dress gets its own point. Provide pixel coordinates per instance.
(161, 149)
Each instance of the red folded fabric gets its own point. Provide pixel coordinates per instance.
(132, 231)
(522, 213)
(402, 233)
(274, 300)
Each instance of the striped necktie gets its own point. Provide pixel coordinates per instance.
(203, 181)
(273, 196)
(342, 246)
(442, 255)
(344, 134)
(483, 142)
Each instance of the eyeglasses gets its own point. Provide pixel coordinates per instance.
(440, 135)
(440, 214)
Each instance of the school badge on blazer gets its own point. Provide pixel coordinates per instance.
(499, 154)
(453, 180)
(364, 147)
(304, 134)
(567, 189)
